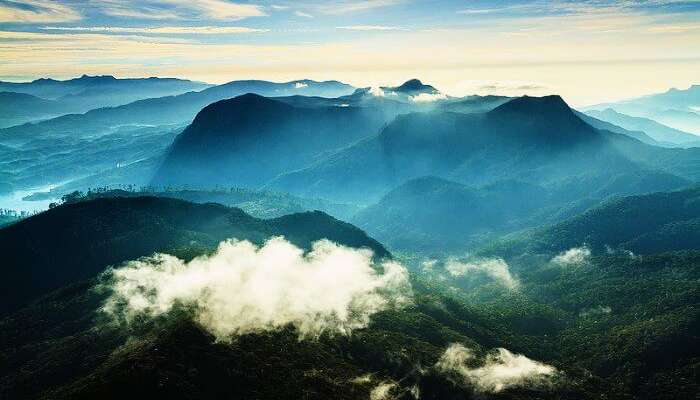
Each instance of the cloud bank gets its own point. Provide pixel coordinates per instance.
(376, 91)
(573, 256)
(498, 371)
(495, 268)
(428, 97)
(243, 288)
(382, 391)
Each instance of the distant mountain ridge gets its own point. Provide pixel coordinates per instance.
(85, 93)
(657, 131)
(53, 89)
(676, 108)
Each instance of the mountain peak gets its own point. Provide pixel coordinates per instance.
(547, 118)
(411, 84)
(546, 105)
(248, 106)
(95, 78)
(414, 86)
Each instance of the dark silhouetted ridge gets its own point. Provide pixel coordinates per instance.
(413, 86)
(548, 119)
(547, 105)
(244, 109)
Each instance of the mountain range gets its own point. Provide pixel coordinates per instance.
(496, 247)
(46, 98)
(537, 140)
(660, 133)
(677, 108)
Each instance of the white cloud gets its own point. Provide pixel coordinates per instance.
(300, 85)
(32, 11)
(362, 379)
(495, 268)
(168, 9)
(382, 391)
(369, 28)
(573, 256)
(498, 371)
(350, 6)
(600, 310)
(428, 97)
(158, 30)
(243, 288)
(477, 11)
(428, 265)
(303, 14)
(376, 91)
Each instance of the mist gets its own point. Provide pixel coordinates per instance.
(243, 288)
(495, 268)
(498, 371)
(573, 256)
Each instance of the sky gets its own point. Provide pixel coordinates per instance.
(587, 51)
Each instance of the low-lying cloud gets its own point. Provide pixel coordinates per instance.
(376, 91)
(595, 311)
(495, 268)
(496, 372)
(573, 256)
(428, 97)
(242, 288)
(382, 391)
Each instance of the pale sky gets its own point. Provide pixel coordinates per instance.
(587, 51)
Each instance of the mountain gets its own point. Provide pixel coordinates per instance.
(607, 126)
(412, 91)
(676, 108)
(413, 87)
(250, 139)
(475, 104)
(435, 214)
(105, 88)
(431, 213)
(535, 140)
(657, 131)
(682, 162)
(17, 108)
(88, 92)
(76, 241)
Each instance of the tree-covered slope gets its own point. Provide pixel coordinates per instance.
(643, 224)
(429, 213)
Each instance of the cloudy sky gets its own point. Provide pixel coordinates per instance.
(588, 51)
